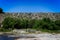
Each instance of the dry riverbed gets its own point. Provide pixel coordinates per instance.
(43, 36)
(23, 35)
(38, 36)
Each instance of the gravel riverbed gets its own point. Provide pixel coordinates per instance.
(43, 36)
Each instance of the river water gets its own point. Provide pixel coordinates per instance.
(5, 37)
(40, 36)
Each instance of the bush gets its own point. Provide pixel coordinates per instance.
(8, 23)
(44, 24)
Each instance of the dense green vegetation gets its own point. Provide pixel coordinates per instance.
(44, 24)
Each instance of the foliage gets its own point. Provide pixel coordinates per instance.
(1, 10)
(44, 24)
(8, 23)
(4, 30)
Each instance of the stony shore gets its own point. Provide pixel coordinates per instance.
(23, 35)
(37, 36)
(43, 36)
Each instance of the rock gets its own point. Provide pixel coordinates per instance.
(19, 31)
(31, 31)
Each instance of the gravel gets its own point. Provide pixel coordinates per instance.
(43, 36)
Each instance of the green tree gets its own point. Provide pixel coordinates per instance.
(36, 24)
(31, 23)
(8, 23)
(17, 24)
(57, 23)
(1, 10)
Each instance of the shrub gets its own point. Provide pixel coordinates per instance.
(44, 24)
(8, 23)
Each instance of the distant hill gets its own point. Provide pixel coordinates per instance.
(52, 16)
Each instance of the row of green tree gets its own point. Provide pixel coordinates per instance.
(45, 23)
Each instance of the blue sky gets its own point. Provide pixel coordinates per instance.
(30, 5)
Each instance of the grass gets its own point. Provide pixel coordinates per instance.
(4, 30)
(42, 30)
(50, 31)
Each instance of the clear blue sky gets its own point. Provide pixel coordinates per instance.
(30, 5)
